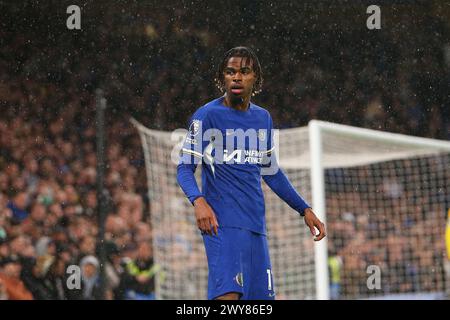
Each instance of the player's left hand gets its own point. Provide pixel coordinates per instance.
(313, 222)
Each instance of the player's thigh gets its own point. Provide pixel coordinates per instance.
(213, 246)
(262, 286)
(227, 256)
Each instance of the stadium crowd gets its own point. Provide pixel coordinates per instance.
(158, 66)
(390, 222)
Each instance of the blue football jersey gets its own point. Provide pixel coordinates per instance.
(234, 147)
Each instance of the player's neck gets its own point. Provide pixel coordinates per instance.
(241, 104)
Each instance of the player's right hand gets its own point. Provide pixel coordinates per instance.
(204, 214)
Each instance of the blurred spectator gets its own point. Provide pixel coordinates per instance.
(335, 268)
(18, 206)
(138, 279)
(13, 287)
(90, 280)
(34, 275)
(113, 269)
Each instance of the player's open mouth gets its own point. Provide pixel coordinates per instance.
(237, 90)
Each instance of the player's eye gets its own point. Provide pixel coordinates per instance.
(229, 72)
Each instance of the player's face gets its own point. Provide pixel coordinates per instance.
(239, 77)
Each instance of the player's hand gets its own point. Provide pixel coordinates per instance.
(204, 214)
(313, 222)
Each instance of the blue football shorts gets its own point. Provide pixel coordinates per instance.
(239, 261)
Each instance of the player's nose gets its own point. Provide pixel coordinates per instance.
(237, 77)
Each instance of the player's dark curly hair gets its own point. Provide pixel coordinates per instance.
(245, 53)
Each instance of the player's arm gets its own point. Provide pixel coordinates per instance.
(283, 188)
(204, 214)
(280, 184)
(190, 155)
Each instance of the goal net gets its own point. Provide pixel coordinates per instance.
(383, 197)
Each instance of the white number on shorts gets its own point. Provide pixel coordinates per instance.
(269, 277)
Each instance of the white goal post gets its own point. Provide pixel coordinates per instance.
(400, 146)
(377, 192)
